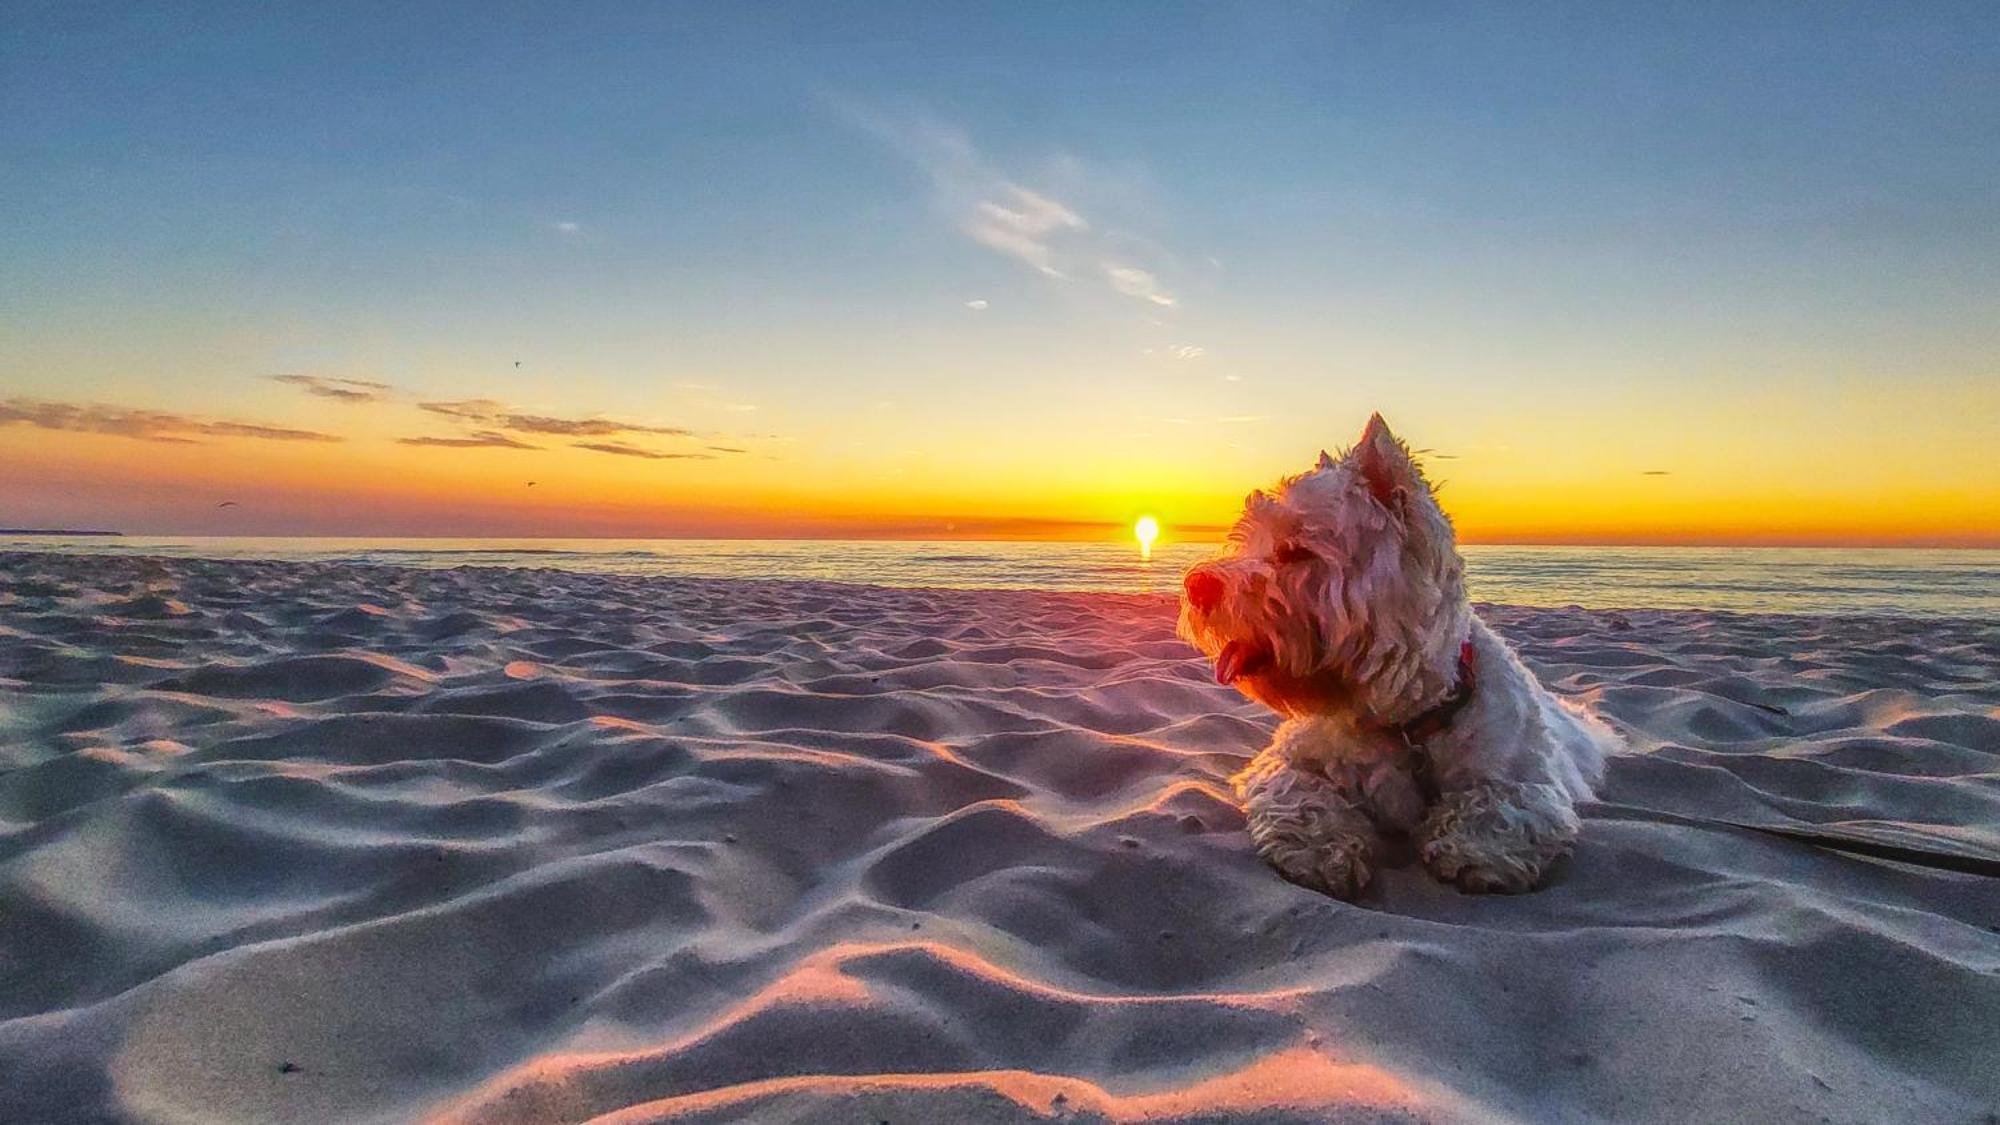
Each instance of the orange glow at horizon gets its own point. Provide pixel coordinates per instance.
(1539, 492)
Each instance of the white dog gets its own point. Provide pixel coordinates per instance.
(1340, 603)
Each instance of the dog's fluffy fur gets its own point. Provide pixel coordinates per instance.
(1340, 603)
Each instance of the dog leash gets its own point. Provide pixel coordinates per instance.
(1962, 863)
(1414, 733)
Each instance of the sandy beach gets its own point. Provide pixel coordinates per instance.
(310, 842)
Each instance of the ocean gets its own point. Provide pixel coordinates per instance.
(1918, 583)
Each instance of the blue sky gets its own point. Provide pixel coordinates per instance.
(919, 237)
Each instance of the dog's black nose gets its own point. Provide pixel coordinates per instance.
(1204, 590)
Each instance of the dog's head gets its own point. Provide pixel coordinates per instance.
(1339, 584)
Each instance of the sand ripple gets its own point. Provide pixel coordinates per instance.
(310, 842)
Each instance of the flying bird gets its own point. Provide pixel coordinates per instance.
(227, 504)
(531, 484)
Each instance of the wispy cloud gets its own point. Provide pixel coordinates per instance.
(623, 450)
(478, 409)
(584, 427)
(1023, 225)
(1029, 224)
(1244, 419)
(1135, 282)
(481, 439)
(568, 226)
(257, 430)
(507, 418)
(980, 304)
(340, 390)
(1657, 473)
(143, 425)
(500, 425)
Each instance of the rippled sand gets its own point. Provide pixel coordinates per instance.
(300, 842)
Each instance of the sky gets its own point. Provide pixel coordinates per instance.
(1664, 273)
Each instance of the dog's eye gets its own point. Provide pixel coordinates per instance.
(1289, 553)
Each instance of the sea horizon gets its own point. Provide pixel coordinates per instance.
(1112, 535)
(1897, 581)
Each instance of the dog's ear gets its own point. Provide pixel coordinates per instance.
(1261, 505)
(1383, 462)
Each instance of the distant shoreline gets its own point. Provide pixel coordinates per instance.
(1979, 544)
(1917, 584)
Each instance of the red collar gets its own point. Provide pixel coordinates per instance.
(1435, 720)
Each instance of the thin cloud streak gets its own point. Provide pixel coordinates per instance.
(1008, 217)
(355, 391)
(507, 418)
(621, 449)
(1023, 227)
(478, 409)
(584, 427)
(481, 439)
(142, 425)
(1135, 282)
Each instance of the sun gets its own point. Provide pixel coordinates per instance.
(1147, 530)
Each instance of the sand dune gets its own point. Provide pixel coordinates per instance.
(300, 842)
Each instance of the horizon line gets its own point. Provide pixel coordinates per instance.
(1977, 542)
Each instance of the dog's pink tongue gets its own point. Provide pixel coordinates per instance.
(1238, 659)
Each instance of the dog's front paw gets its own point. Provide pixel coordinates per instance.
(1497, 838)
(1479, 873)
(1335, 867)
(1306, 826)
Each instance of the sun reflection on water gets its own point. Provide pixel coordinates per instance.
(1147, 530)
